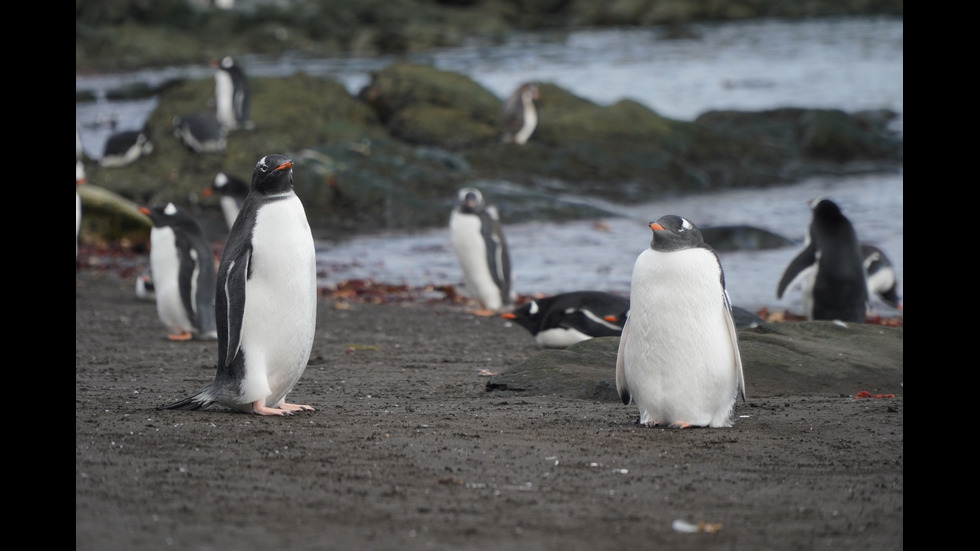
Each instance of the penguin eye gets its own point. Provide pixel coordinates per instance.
(263, 167)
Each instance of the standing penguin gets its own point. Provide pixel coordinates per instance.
(519, 115)
(266, 300)
(477, 238)
(830, 268)
(562, 320)
(233, 192)
(232, 95)
(679, 357)
(183, 273)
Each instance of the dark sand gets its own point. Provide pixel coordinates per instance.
(407, 449)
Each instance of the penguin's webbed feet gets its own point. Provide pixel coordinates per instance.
(259, 408)
(184, 336)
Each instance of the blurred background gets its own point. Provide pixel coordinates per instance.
(718, 112)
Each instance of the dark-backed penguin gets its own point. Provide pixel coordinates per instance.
(200, 133)
(830, 268)
(881, 276)
(520, 117)
(266, 300)
(126, 147)
(679, 358)
(182, 262)
(232, 190)
(562, 320)
(480, 246)
(232, 94)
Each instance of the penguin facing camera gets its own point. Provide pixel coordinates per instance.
(232, 190)
(562, 320)
(266, 301)
(478, 241)
(520, 116)
(232, 95)
(830, 268)
(182, 263)
(679, 359)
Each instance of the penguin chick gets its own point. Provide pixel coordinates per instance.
(478, 240)
(679, 358)
(266, 300)
(183, 273)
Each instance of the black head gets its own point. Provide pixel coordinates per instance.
(470, 200)
(273, 174)
(674, 233)
(825, 209)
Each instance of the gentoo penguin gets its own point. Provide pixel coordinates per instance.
(233, 191)
(183, 273)
(266, 300)
(519, 114)
(200, 133)
(880, 273)
(679, 358)
(477, 238)
(144, 285)
(125, 148)
(79, 180)
(830, 268)
(232, 95)
(562, 320)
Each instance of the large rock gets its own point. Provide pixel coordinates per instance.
(779, 359)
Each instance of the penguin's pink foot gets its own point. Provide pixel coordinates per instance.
(483, 313)
(185, 336)
(680, 425)
(259, 408)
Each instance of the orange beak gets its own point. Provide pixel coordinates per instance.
(509, 315)
(287, 164)
(145, 210)
(655, 226)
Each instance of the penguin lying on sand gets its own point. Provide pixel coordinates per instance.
(183, 273)
(679, 357)
(478, 240)
(562, 320)
(266, 300)
(830, 268)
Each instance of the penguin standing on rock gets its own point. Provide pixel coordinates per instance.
(232, 95)
(679, 357)
(830, 268)
(519, 115)
(183, 273)
(478, 240)
(880, 273)
(266, 300)
(233, 192)
(562, 320)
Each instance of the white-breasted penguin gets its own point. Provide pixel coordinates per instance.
(200, 133)
(520, 117)
(478, 240)
(830, 268)
(266, 300)
(232, 94)
(679, 358)
(232, 190)
(562, 320)
(144, 285)
(182, 262)
(881, 276)
(125, 148)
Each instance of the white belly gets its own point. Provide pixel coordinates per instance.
(280, 309)
(223, 92)
(467, 241)
(679, 359)
(166, 270)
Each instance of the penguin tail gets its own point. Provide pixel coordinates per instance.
(196, 402)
